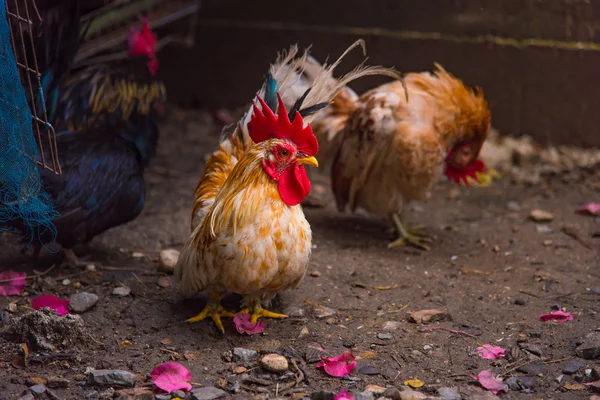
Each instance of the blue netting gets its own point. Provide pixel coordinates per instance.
(23, 202)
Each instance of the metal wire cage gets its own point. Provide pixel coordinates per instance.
(22, 16)
(111, 21)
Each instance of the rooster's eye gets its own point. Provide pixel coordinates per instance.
(285, 153)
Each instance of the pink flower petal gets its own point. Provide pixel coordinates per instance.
(558, 316)
(172, 376)
(490, 352)
(13, 287)
(52, 302)
(338, 366)
(491, 383)
(343, 395)
(243, 325)
(590, 209)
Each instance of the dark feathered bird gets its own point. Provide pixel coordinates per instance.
(101, 185)
(106, 134)
(101, 95)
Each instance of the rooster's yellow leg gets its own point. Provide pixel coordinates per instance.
(214, 310)
(256, 311)
(415, 236)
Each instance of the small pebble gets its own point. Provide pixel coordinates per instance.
(57, 382)
(90, 268)
(590, 348)
(391, 325)
(137, 254)
(412, 395)
(111, 377)
(375, 389)
(244, 355)
(424, 316)
(366, 369)
(323, 312)
(164, 282)
(27, 396)
(82, 302)
(513, 206)
(163, 397)
(37, 389)
(294, 312)
(538, 215)
(11, 307)
(121, 291)
(303, 332)
(274, 363)
(572, 366)
(167, 259)
(547, 243)
(520, 302)
(207, 393)
(315, 274)
(532, 369)
(66, 282)
(544, 229)
(385, 336)
(448, 393)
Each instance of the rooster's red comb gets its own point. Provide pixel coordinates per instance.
(142, 43)
(265, 125)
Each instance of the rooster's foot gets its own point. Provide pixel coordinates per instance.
(257, 312)
(414, 236)
(215, 311)
(414, 241)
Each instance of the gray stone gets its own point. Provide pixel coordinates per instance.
(82, 302)
(590, 348)
(392, 393)
(448, 393)
(92, 395)
(366, 395)
(208, 393)
(572, 366)
(244, 355)
(366, 369)
(520, 383)
(179, 393)
(163, 397)
(121, 291)
(37, 389)
(27, 396)
(111, 377)
(532, 369)
(385, 336)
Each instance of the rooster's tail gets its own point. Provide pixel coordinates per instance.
(295, 74)
(187, 271)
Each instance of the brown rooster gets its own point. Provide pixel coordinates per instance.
(393, 142)
(249, 234)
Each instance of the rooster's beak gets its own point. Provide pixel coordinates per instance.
(308, 161)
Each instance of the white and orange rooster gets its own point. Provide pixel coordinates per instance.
(249, 234)
(390, 145)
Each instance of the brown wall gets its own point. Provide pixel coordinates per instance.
(537, 60)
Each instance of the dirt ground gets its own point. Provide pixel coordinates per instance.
(492, 271)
